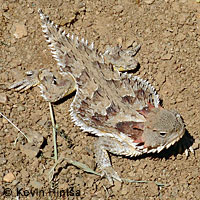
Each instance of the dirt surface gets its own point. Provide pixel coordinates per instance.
(169, 59)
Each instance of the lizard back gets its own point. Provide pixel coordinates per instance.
(105, 97)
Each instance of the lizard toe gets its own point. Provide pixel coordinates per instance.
(111, 175)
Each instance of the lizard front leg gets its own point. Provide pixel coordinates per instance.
(103, 145)
(54, 86)
(123, 60)
(31, 80)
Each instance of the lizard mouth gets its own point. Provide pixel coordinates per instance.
(173, 141)
(169, 144)
(149, 149)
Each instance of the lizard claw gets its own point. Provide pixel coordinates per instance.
(133, 51)
(185, 145)
(53, 86)
(110, 174)
(190, 149)
(30, 81)
(123, 60)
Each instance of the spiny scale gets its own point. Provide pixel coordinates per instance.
(61, 43)
(98, 85)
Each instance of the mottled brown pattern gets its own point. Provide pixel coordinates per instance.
(97, 94)
(83, 107)
(146, 110)
(139, 94)
(132, 129)
(99, 119)
(112, 110)
(128, 99)
(83, 78)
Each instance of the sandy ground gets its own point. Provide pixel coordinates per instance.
(169, 59)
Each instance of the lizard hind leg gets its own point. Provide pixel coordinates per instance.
(104, 145)
(123, 60)
(53, 85)
(31, 80)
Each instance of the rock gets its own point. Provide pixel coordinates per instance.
(29, 150)
(24, 174)
(119, 41)
(3, 161)
(90, 183)
(166, 56)
(153, 189)
(118, 8)
(36, 184)
(196, 144)
(5, 121)
(9, 177)
(5, 6)
(149, 1)
(43, 121)
(183, 17)
(179, 99)
(9, 138)
(160, 77)
(180, 37)
(15, 182)
(129, 43)
(35, 138)
(20, 30)
(117, 186)
(35, 164)
(79, 181)
(3, 98)
(20, 108)
(124, 190)
(12, 49)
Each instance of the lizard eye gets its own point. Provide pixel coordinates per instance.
(163, 134)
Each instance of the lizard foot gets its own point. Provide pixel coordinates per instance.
(31, 80)
(110, 174)
(190, 149)
(123, 60)
(53, 85)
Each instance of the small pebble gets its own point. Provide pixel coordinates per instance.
(166, 57)
(36, 184)
(29, 150)
(3, 98)
(118, 8)
(117, 186)
(20, 30)
(149, 1)
(15, 182)
(9, 177)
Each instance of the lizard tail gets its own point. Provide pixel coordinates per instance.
(67, 50)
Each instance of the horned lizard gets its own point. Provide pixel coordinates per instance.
(122, 109)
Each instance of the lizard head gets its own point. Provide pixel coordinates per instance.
(162, 128)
